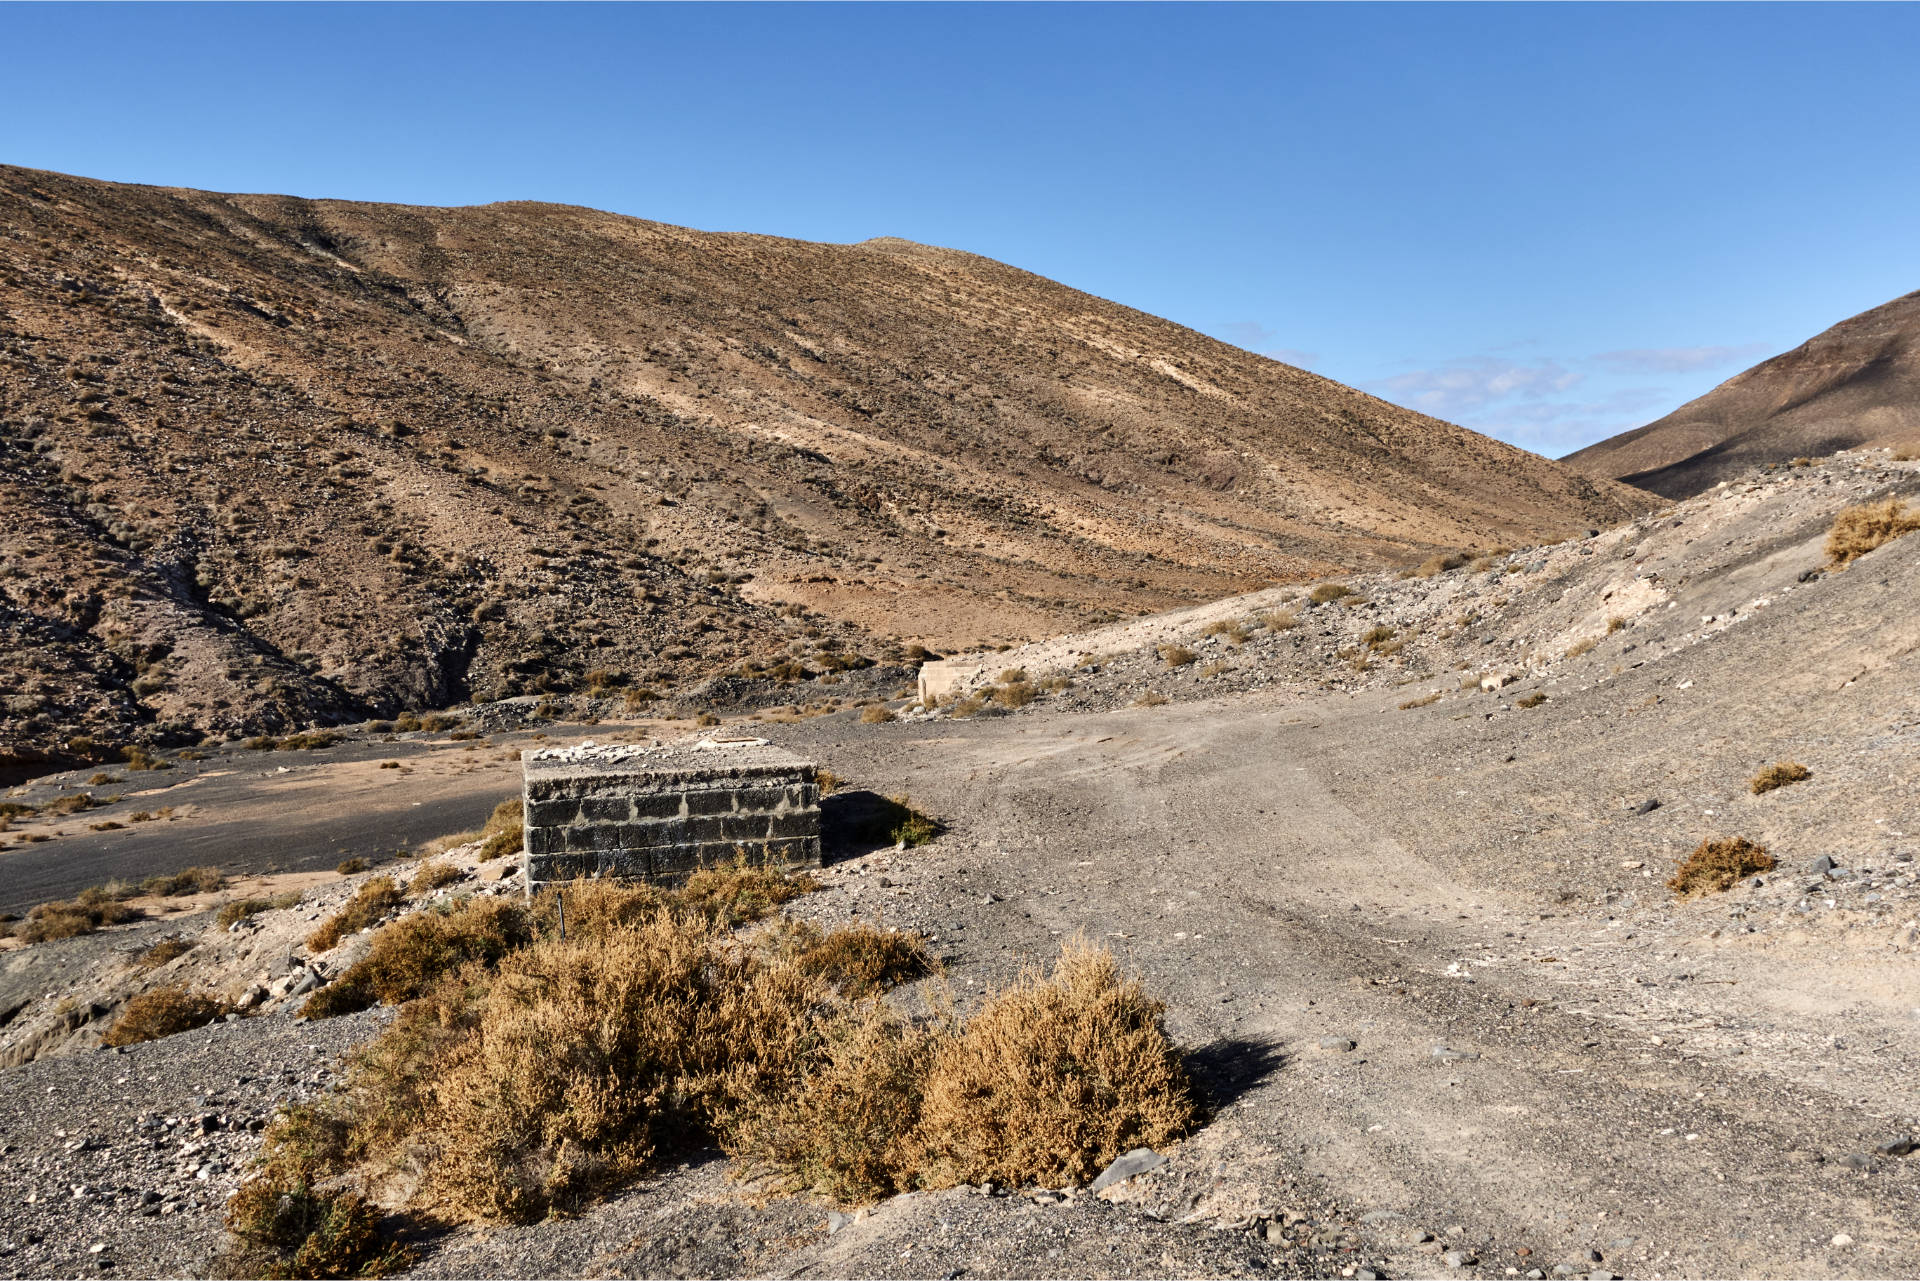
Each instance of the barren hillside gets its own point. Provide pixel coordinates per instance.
(1856, 384)
(271, 461)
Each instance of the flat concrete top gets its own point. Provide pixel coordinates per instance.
(713, 755)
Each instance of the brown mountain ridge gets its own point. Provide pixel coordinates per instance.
(272, 461)
(1855, 384)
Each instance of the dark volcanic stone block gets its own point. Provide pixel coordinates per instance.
(659, 813)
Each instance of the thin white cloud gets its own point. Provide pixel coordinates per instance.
(1467, 385)
(1679, 360)
(1258, 339)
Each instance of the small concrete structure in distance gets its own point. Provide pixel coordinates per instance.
(656, 813)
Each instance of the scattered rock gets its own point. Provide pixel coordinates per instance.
(1125, 1167)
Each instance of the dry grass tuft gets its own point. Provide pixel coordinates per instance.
(242, 908)
(1013, 694)
(1328, 592)
(858, 960)
(1425, 700)
(193, 880)
(371, 902)
(1176, 655)
(1719, 865)
(1778, 774)
(1532, 700)
(288, 1227)
(163, 1012)
(90, 910)
(1584, 645)
(1280, 620)
(1435, 565)
(165, 950)
(416, 951)
(505, 833)
(741, 892)
(1052, 1079)
(434, 876)
(1858, 530)
(353, 866)
(875, 714)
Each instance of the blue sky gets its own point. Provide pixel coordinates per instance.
(1548, 222)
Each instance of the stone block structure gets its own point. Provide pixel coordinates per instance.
(657, 813)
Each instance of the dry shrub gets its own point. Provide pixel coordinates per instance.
(1013, 694)
(827, 781)
(875, 715)
(1052, 1079)
(416, 951)
(193, 880)
(288, 1226)
(353, 866)
(579, 1060)
(237, 910)
(163, 1012)
(1376, 637)
(851, 1128)
(1426, 700)
(1858, 530)
(857, 960)
(505, 832)
(163, 951)
(1582, 646)
(1219, 667)
(90, 910)
(739, 892)
(1532, 700)
(371, 902)
(434, 876)
(76, 803)
(1281, 620)
(1176, 655)
(1778, 774)
(1719, 865)
(967, 706)
(1152, 698)
(1616, 624)
(1439, 565)
(1329, 591)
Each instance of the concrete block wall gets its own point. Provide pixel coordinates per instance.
(658, 813)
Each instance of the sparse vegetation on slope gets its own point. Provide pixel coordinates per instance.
(1719, 864)
(1778, 774)
(163, 1012)
(1858, 530)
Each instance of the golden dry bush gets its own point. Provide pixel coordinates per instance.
(588, 1056)
(1013, 694)
(415, 952)
(434, 876)
(1425, 700)
(287, 1224)
(858, 960)
(504, 833)
(1439, 565)
(1053, 1078)
(163, 1012)
(372, 901)
(1280, 620)
(738, 892)
(1176, 655)
(875, 714)
(193, 880)
(1858, 530)
(1329, 591)
(1778, 774)
(850, 1129)
(1719, 864)
(163, 951)
(88, 911)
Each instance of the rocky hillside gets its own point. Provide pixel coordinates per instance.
(1856, 384)
(270, 461)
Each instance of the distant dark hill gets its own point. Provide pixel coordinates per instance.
(1856, 384)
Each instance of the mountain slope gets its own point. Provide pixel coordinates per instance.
(271, 460)
(1856, 384)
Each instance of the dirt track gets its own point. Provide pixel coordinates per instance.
(1549, 1053)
